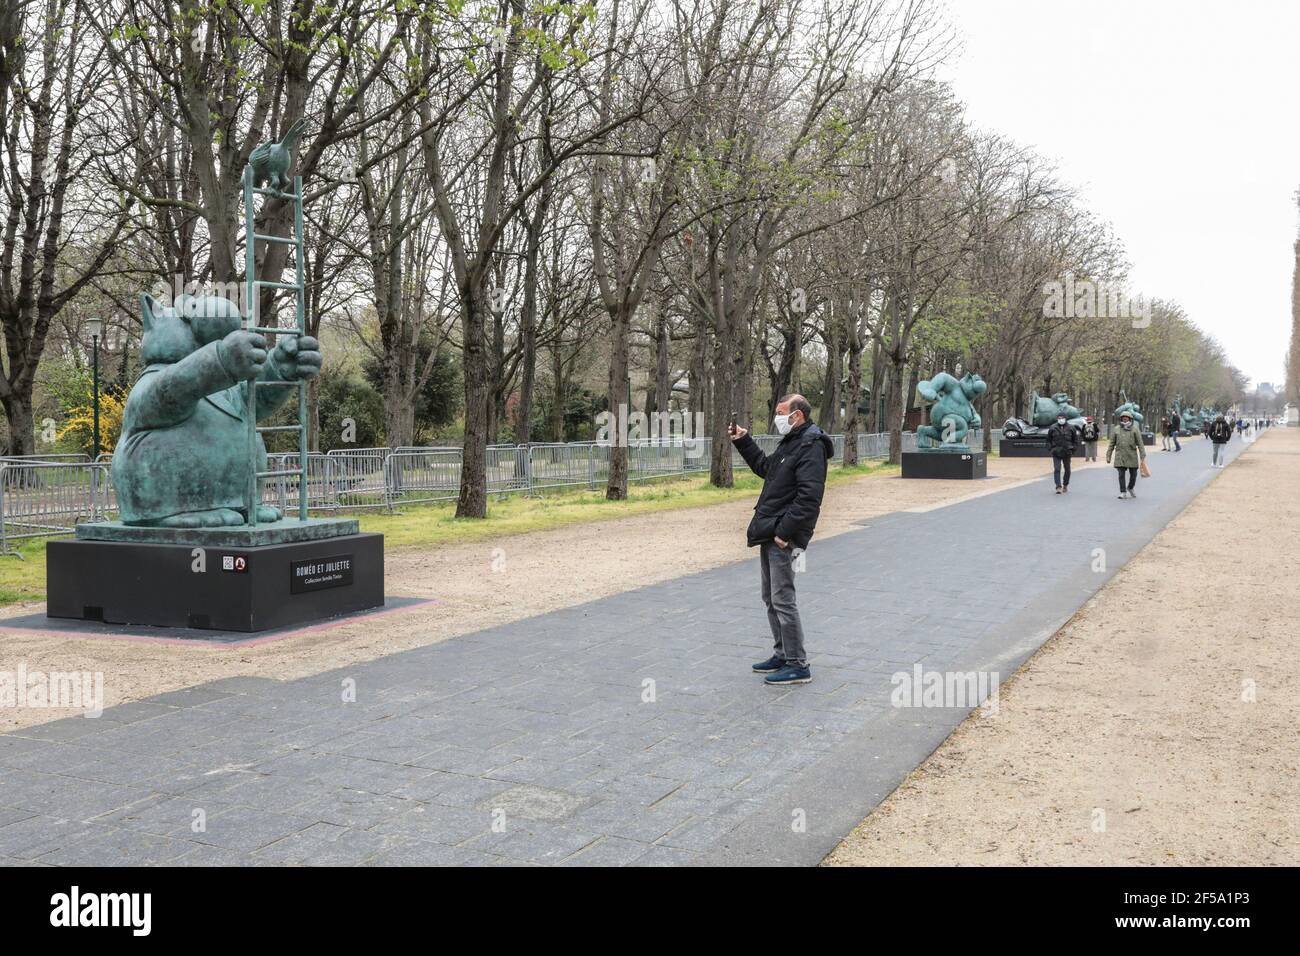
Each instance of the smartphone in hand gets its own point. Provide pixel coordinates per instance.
(731, 428)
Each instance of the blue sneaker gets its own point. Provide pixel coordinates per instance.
(769, 666)
(789, 674)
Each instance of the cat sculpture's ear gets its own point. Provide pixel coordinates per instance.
(147, 305)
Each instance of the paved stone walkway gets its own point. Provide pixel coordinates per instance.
(624, 731)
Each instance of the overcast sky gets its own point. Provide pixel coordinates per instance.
(1178, 122)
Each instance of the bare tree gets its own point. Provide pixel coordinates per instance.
(60, 231)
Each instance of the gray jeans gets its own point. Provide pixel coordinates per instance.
(778, 595)
(1218, 452)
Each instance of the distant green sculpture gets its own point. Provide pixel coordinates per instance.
(1129, 408)
(1042, 415)
(1182, 415)
(1044, 411)
(182, 460)
(270, 161)
(951, 412)
(1189, 420)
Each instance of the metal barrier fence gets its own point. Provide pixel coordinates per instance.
(48, 495)
(334, 482)
(45, 498)
(68, 458)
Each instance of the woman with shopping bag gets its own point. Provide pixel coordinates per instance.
(1127, 453)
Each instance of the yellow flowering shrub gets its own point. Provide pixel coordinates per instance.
(80, 425)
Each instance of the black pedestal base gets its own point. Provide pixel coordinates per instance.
(944, 464)
(1030, 446)
(228, 589)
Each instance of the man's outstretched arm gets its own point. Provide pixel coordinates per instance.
(749, 450)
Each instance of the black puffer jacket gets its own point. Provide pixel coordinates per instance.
(1063, 440)
(1220, 432)
(794, 479)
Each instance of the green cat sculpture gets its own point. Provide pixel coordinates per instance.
(270, 161)
(182, 460)
(951, 411)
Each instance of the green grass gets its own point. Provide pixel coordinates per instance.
(430, 525)
(23, 579)
(437, 524)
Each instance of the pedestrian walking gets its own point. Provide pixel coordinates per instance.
(1165, 443)
(1220, 435)
(794, 480)
(1127, 453)
(1063, 440)
(1091, 435)
(1175, 426)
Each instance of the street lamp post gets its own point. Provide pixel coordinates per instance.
(94, 326)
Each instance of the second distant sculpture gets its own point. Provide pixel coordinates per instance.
(1027, 437)
(942, 451)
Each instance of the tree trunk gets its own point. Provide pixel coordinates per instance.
(472, 500)
(527, 383)
(699, 403)
(663, 374)
(555, 419)
(878, 374)
(794, 381)
(313, 413)
(621, 319)
(728, 379)
(831, 395)
(854, 393)
(399, 346)
(493, 417)
(399, 418)
(779, 379)
(498, 387)
(745, 388)
(18, 413)
(894, 407)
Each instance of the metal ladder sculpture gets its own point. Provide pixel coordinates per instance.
(252, 298)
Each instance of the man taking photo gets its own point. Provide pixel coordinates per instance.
(794, 479)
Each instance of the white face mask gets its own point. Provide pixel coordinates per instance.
(1126, 424)
(783, 424)
(1060, 421)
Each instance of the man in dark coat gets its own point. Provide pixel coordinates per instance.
(1220, 434)
(794, 479)
(1063, 440)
